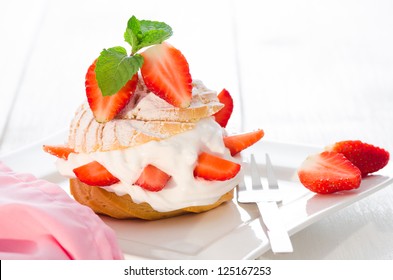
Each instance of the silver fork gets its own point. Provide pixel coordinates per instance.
(266, 200)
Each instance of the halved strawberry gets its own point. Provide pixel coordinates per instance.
(58, 151)
(239, 142)
(105, 108)
(214, 168)
(95, 174)
(366, 157)
(223, 116)
(166, 73)
(152, 178)
(329, 172)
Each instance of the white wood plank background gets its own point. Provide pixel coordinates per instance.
(66, 36)
(311, 72)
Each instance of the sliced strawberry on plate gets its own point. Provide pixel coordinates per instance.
(214, 168)
(366, 157)
(152, 179)
(105, 108)
(223, 116)
(166, 73)
(239, 142)
(95, 174)
(329, 172)
(58, 151)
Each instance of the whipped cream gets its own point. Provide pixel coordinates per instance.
(176, 155)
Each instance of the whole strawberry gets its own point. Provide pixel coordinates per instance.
(329, 172)
(366, 157)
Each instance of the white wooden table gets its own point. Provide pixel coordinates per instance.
(310, 72)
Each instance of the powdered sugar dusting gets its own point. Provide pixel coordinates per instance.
(146, 117)
(145, 105)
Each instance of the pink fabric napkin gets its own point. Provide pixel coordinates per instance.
(38, 220)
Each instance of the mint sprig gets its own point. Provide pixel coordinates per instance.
(114, 67)
(144, 33)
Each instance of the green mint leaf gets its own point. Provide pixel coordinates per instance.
(154, 32)
(132, 32)
(114, 68)
(144, 33)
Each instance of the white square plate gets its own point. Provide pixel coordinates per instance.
(230, 231)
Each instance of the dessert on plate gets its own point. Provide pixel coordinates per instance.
(150, 141)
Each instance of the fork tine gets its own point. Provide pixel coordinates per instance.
(271, 178)
(254, 172)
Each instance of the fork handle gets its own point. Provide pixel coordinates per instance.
(277, 233)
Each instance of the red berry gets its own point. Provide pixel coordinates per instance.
(152, 179)
(366, 157)
(329, 172)
(166, 73)
(223, 116)
(213, 168)
(58, 151)
(95, 174)
(105, 108)
(239, 142)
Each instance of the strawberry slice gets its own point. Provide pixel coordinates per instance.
(58, 151)
(105, 108)
(152, 178)
(366, 157)
(239, 142)
(213, 168)
(223, 116)
(95, 174)
(329, 172)
(166, 73)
